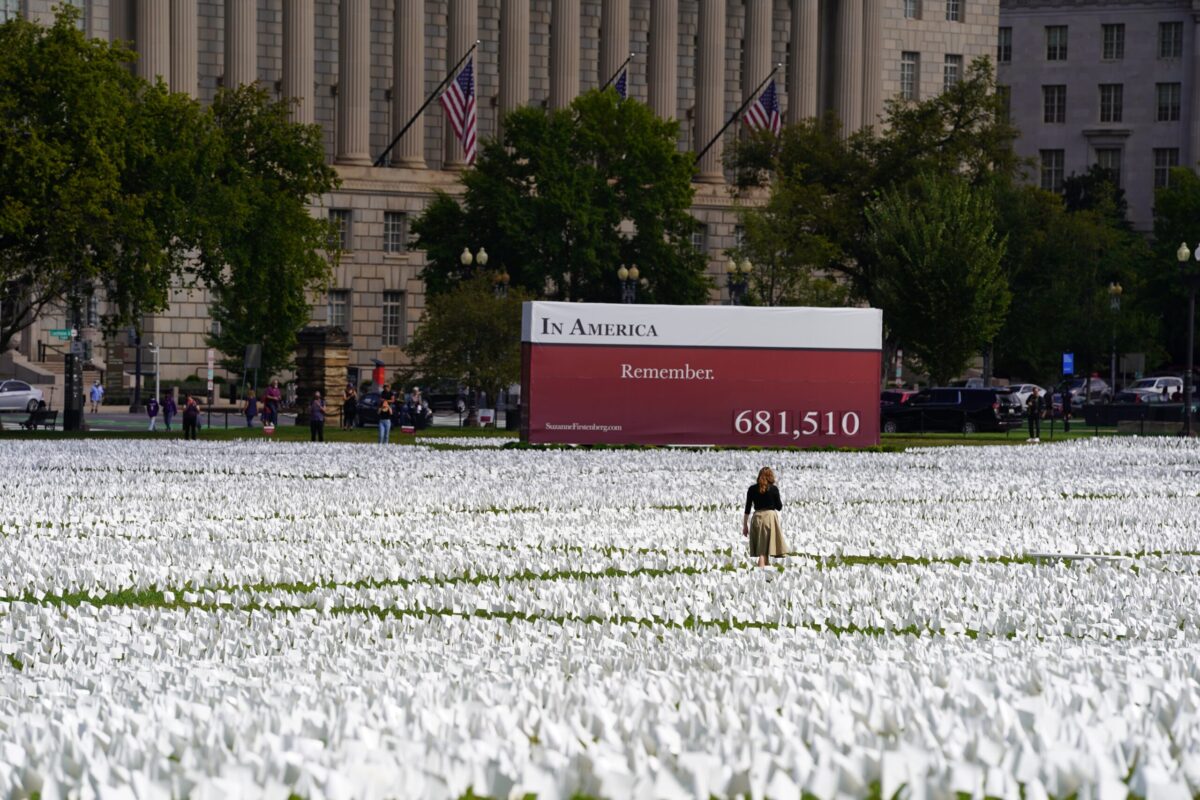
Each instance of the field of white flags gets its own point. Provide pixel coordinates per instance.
(217, 620)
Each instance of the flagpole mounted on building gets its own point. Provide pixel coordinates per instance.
(616, 74)
(736, 114)
(379, 162)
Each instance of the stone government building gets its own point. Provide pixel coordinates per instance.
(360, 68)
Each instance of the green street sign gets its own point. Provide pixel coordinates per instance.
(61, 333)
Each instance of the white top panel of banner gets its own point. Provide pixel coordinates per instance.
(636, 325)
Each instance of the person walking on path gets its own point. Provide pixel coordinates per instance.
(764, 529)
(273, 403)
(152, 411)
(385, 418)
(349, 407)
(96, 395)
(316, 418)
(250, 409)
(169, 409)
(1033, 410)
(191, 417)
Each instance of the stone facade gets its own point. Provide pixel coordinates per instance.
(1139, 134)
(879, 31)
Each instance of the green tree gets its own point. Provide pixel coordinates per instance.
(940, 282)
(1176, 220)
(472, 335)
(261, 250)
(567, 197)
(91, 187)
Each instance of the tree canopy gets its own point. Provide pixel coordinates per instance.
(568, 196)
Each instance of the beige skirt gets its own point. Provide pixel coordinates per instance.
(766, 535)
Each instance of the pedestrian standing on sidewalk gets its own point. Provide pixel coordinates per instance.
(316, 418)
(1033, 410)
(764, 530)
(191, 417)
(250, 409)
(349, 407)
(273, 403)
(96, 395)
(385, 418)
(169, 408)
(152, 411)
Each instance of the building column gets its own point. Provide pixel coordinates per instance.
(354, 83)
(847, 94)
(184, 46)
(756, 45)
(1194, 115)
(514, 57)
(614, 37)
(710, 89)
(241, 45)
(408, 82)
(154, 39)
(564, 52)
(463, 27)
(803, 78)
(872, 61)
(299, 69)
(663, 80)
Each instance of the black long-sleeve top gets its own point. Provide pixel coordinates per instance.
(763, 501)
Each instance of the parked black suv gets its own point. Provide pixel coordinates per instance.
(953, 409)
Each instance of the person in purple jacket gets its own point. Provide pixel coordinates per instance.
(152, 411)
(169, 408)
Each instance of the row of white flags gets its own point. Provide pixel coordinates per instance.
(459, 102)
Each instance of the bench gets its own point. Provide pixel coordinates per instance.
(41, 419)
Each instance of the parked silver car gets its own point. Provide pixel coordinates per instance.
(19, 396)
(1150, 390)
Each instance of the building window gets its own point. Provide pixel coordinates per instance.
(9, 9)
(341, 217)
(1004, 95)
(395, 232)
(1164, 159)
(1054, 103)
(1112, 101)
(912, 9)
(1170, 40)
(910, 71)
(338, 310)
(1052, 170)
(93, 310)
(1056, 42)
(1168, 101)
(954, 11)
(393, 319)
(214, 328)
(951, 71)
(739, 237)
(700, 237)
(1004, 46)
(1109, 160)
(1113, 37)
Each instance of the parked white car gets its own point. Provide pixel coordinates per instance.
(1140, 391)
(19, 396)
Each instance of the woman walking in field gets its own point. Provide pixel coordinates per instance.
(764, 529)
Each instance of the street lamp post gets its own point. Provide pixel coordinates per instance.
(500, 284)
(1114, 305)
(1191, 278)
(738, 276)
(628, 276)
(466, 259)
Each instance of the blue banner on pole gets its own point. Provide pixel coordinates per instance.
(1068, 363)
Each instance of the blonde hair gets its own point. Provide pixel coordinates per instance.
(766, 478)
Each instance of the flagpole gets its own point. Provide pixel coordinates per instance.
(614, 76)
(737, 114)
(453, 71)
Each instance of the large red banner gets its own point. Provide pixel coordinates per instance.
(628, 384)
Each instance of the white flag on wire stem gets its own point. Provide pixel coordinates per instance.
(459, 102)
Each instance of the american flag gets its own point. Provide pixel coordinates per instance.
(763, 114)
(459, 102)
(622, 84)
